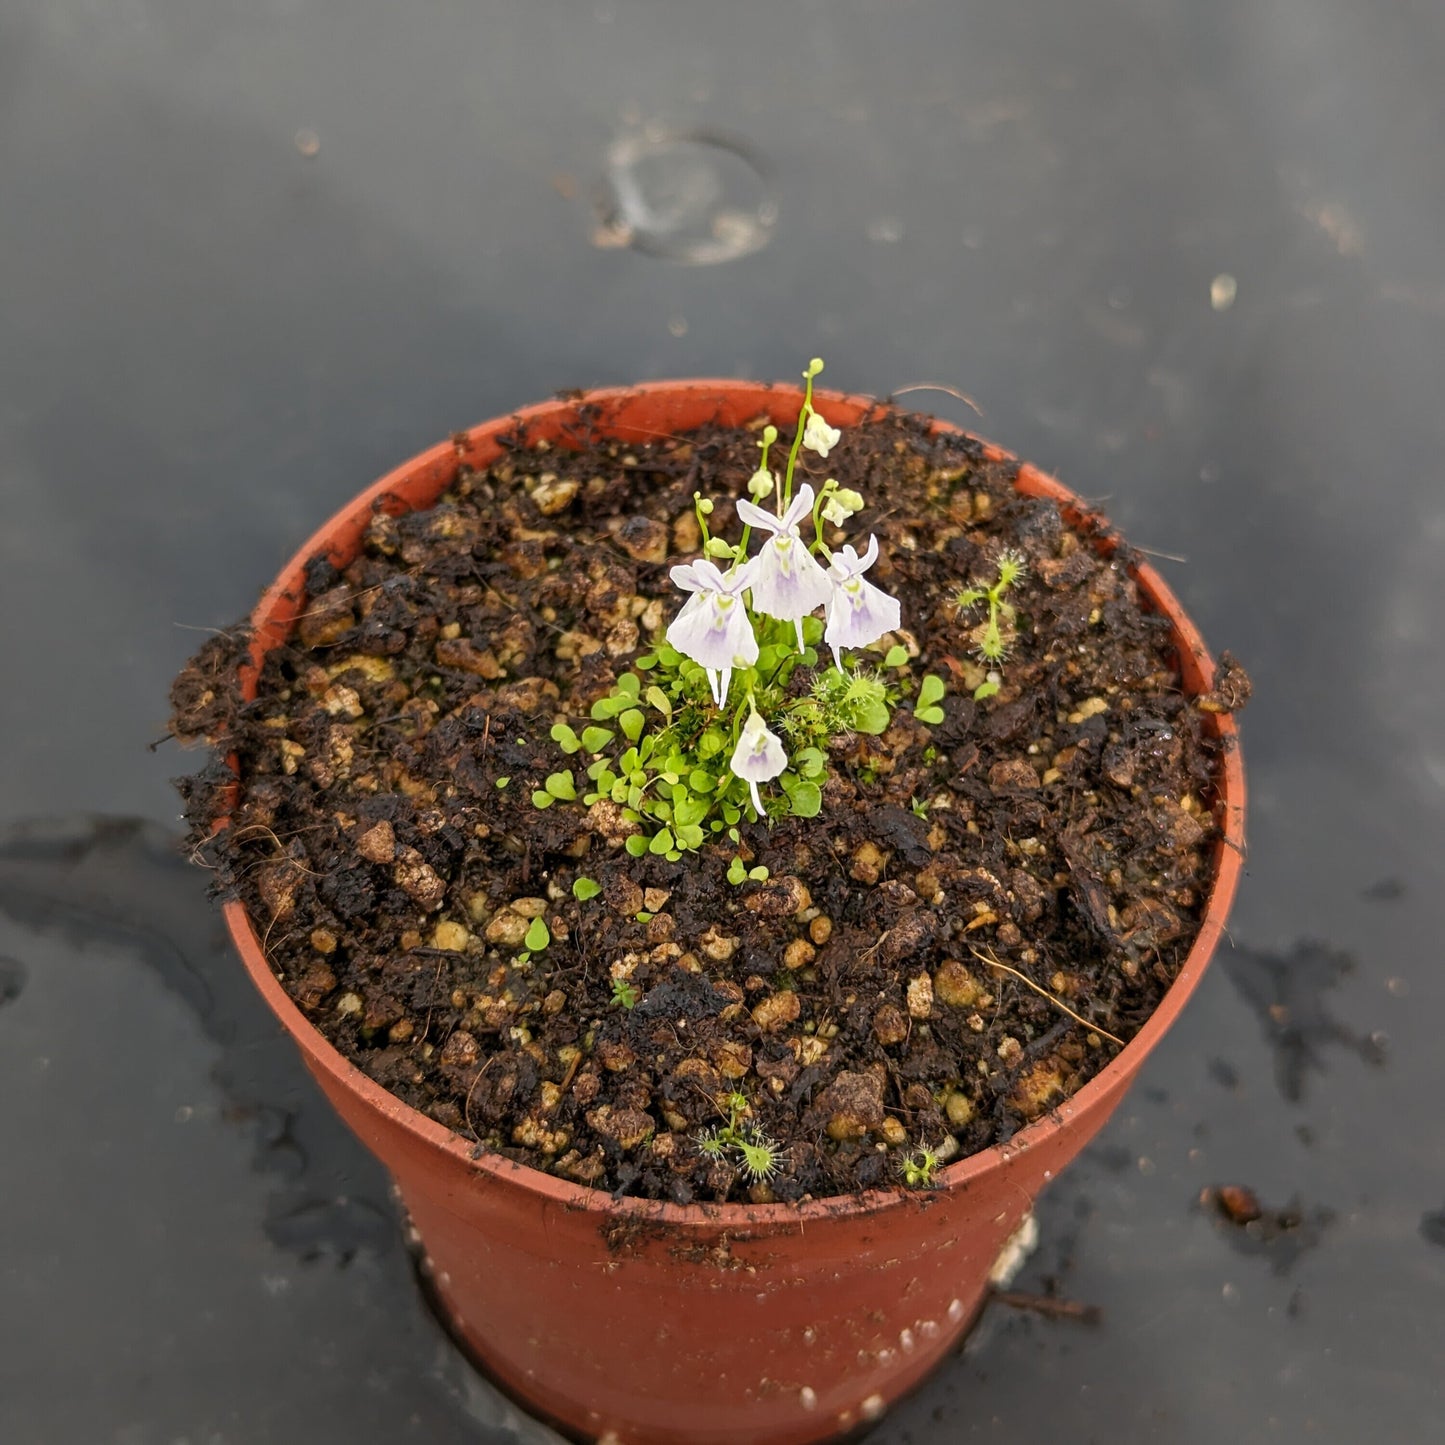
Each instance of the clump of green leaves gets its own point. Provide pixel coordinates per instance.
(741, 1143)
(624, 993)
(917, 1167)
(995, 635)
(659, 748)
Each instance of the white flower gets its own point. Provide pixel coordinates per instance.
(758, 756)
(761, 483)
(787, 581)
(840, 503)
(713, 626)
(818, 436)
(858, 612)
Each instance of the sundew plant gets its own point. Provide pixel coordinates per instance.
(716, 726)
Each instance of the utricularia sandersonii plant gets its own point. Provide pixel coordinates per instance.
(686, 746)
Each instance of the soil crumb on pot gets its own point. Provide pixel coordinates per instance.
(514, 973)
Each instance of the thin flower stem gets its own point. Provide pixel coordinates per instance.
(786, 491)
(766, 445)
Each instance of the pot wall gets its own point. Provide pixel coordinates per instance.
(770, 1325)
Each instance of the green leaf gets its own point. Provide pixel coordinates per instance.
(807, 800)
(629, 685)
(758, 874)
(810, 763)
(812, 630)
(537, 936)
(609, 707)
(689, 835)
(565, 738)
(585, 888)
(660, 701)
(701, 782)
(931, 715)
(983, 690)
(647, 663)
(737, 872)
(636, 844)
(643, 916)
(896, 656)
(560, 785)
(661, 842)
(689, 812)
(712, 742)
(930, 691)
(595, 739)
(542, 800)
(502, 783)
(871, 718)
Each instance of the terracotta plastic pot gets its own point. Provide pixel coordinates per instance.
(655, 1324)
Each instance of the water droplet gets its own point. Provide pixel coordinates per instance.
(336, 1229)
(695, 197)
(13, 978)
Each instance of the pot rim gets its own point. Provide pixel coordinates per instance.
(1229, 858)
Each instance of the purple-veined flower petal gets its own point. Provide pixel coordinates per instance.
(758, 757)
(858, 612)
(713, 627)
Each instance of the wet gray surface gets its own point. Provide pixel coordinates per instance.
(253, 255)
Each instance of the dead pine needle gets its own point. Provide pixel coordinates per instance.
(1049, 1306)
(1059, 1004)
(947, 390)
